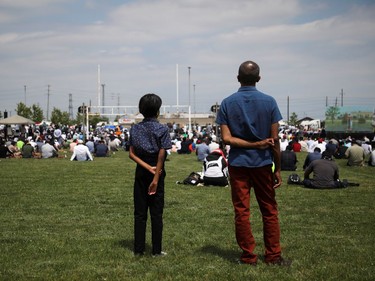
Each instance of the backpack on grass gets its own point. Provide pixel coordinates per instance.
(294, 179)
(193, 179)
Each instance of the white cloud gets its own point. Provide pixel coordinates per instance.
(139, 43)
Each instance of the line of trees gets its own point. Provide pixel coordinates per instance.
(35, 113)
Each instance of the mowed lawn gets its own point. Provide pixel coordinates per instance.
(62, 220)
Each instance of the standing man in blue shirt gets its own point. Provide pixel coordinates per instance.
(149, 141)
(249, 124)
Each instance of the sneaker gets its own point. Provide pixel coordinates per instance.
(138, 254)
(280, 261)
(162, 254)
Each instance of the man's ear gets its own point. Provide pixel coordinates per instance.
(238, 78)
(258, 79)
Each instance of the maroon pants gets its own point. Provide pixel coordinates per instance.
(261, 179)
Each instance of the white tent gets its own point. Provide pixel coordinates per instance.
(16, 120)
(315, 124)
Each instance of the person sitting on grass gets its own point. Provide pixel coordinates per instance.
(27, 150)
(311, 157)
(340, 152)
(215, 169)
(101, 149)
(326, 174)
(81, 152)
(185, 143)
(288, 159)
(49, 150)
(13, 149)
(4, 151)
(203, 150)
(355, 154)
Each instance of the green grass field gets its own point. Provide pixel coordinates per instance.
(63, 220)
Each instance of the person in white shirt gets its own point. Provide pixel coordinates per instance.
(283, 143)
(304, 146)
(310, 145)
(81, 152)
(213, 145)
(48, 150)
(114, 143)
(320, 144)
(371, 161)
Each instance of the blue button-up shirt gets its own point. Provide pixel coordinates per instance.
(249, 114)
(148, 137)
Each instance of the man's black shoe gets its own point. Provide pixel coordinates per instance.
(280, 261)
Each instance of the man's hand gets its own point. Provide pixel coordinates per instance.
(266, 143)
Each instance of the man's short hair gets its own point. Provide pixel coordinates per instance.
(317, 149)
(248, 73)
(149, 105)
(327, 155)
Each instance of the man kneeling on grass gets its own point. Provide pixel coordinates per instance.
(326, 174)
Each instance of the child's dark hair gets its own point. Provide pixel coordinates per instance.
(149, 105)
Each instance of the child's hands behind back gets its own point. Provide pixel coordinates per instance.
(152, 188)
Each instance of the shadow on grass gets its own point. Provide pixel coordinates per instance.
(230, 255)
(126, 244)
(129, 245)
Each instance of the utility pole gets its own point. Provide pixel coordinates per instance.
(287, 109)
(24, 87)
(48, 93)
(190, 130)
(195, 110)
(326, 101)
(71, 106)
(118, 103)
(342, 97)
(177, 87)
(103, 98)
(98, 84)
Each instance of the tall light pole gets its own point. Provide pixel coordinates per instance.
(48, 93)
(189, 68)
(99, 86)
(103, 97)
(177, 102)
(195, 109)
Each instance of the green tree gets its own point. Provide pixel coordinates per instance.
(37, 113)
(23, 110)
(332, 112)
(60, 117)
(293, 119)
(95, 119)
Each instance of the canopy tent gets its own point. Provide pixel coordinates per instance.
(16, 120)
(315, 124)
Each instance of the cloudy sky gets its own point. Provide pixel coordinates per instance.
(308, 50)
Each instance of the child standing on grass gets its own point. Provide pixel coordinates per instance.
(149, 140)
